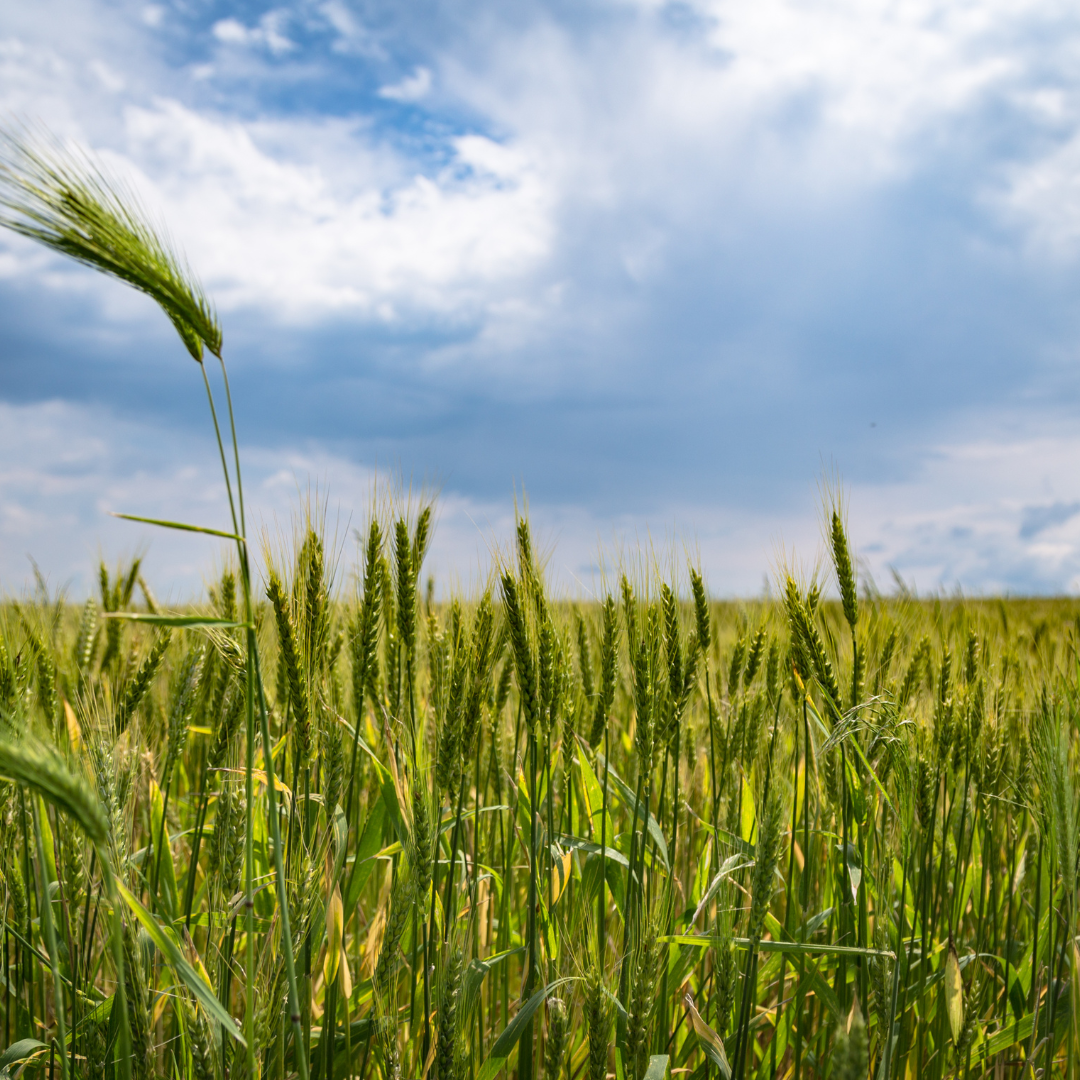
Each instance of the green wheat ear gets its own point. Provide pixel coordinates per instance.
(64, 200)
(41, 769)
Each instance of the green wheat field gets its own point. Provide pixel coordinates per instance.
(321, 825)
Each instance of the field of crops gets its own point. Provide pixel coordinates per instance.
(855, 850)
(322, 826)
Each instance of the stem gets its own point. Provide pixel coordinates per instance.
(279, 869)
(525, 1052)
(601, 903)
(236, 449)
(50, 941)
(116, 936)
(887, 1064)
(221, 449)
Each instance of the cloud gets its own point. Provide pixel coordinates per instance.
(959, 520)
(1037, 519)
(655, 261)
(963, 518)
(267, 34)
(414, 88)
(302, 240)
(108, 78)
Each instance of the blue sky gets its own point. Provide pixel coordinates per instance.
(660, 265)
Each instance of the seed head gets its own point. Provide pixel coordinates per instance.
(765, 859)
(608, 664)
(598, 1024)
(851, 1056)
(64, 200)
(701, 612)
(845, 572)
(555, 1049)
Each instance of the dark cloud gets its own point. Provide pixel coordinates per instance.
(1037, 519)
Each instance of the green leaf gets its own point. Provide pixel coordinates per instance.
(477, 971)
(1015, 1032)
(180, 525)
(47, 842)
(954, 994)
(185, 621)
(628, 798)
(167, 946)
(594, 849)
(450, 820)
(732, 863)
(594, 799)
(815, 923)
(500, 1053)
(366, 850)
(703, 941)
(814, 981)
(37, 953)
(20, 1051)
(389, 792)
(163, 869)
(658, 1067)
(701, 876)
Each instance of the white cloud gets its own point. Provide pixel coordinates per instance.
(303, 242)
(269, 33)
(414, 88)
(232, 32)
(352, 38)
(107, 77)
(990, 514)
(805, 99)
(1043, 196)
(970, 514)
(763, 110)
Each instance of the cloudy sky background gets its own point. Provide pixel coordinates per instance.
(659, 265)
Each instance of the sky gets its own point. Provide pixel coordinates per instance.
(662, 271)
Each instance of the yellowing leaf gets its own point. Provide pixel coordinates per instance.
(954, 993)
(375, 930)
(855, 873)
(711, 1043)
(73, 729)
(561, 876)
(746, 814)
(335, 925)
(259, 776)
(194, 959)
(344, 976)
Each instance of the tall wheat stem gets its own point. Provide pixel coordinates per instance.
(254, 685)
(279, 868)
(50, 941)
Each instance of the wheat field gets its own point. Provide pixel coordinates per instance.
(323, 825)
